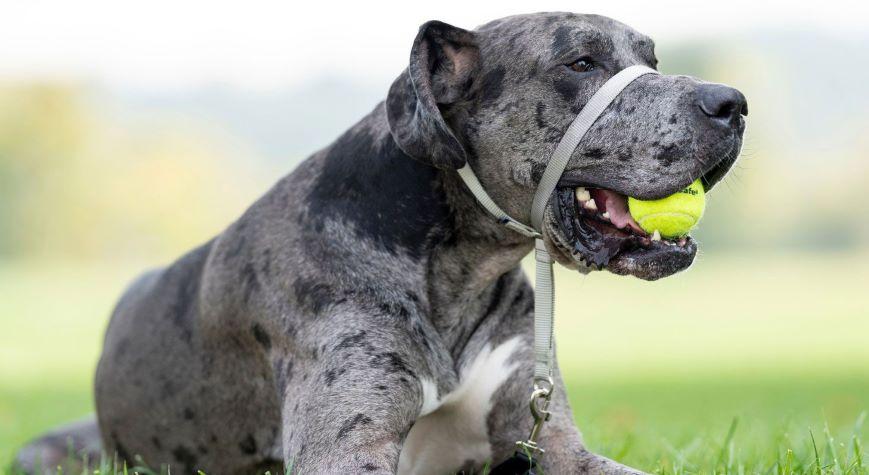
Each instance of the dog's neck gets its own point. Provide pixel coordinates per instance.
(462, 268)
(422, 215)
(465, 253)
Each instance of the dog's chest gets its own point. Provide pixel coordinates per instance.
(452, 429)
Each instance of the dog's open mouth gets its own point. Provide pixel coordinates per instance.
(598, 230)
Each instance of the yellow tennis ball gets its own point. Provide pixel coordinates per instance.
(672, 216)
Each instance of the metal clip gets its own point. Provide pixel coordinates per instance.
(539, 404)
(520, 228)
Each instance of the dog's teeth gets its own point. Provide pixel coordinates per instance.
(590, 204)
(605, 215)
(582, 194)
(656, 236)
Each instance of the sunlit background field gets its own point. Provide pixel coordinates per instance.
(111, 165)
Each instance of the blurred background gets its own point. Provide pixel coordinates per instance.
(130, 132)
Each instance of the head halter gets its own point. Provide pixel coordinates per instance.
(544, 288)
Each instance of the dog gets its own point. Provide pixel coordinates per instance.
(367, 315)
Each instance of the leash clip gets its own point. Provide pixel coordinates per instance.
(539, 404)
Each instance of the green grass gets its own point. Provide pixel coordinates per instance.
(753, 364)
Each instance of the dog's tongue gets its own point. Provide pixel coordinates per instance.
(616, 207)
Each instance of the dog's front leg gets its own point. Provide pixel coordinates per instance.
(565, 451)
(350, 409)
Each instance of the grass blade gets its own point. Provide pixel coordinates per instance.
(727, 444)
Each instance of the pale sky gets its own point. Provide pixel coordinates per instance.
(167, 44)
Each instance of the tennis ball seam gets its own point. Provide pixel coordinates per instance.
(671, 214)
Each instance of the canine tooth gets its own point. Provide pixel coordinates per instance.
(590, 204)
(606, 215)
(656, 236)
(582, 194)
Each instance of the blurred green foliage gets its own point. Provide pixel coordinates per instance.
(75, 184)
(83, 174)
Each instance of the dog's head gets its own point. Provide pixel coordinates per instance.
(503, 95)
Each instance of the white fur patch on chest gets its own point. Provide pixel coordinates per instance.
(452, 430)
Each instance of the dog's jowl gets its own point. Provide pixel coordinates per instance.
(367, 315)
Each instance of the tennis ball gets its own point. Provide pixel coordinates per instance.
(672, 216)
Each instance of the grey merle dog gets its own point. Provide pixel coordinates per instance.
(367, 315)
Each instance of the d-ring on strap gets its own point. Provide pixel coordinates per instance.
(544, 286)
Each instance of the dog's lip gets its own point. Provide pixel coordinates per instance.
(660, 260)
(581, 236)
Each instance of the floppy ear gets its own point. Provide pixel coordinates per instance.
(443, 63)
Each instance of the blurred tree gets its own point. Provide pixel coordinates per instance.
(74, 184)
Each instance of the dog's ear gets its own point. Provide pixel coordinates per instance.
(443, 63)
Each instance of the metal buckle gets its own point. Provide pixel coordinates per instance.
(520, 228)
(539, 404)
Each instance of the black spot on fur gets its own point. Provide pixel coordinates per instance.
(312, 296)
(351, 341)
(567, 89)
(250, 284)
(188, 414)
(356, 171)
(523, 301)
(186, 457)
(493, 85)
(261, 336)
(594, 153)
(420, 334)
(537, 170)
(351, 424)
(562, 40)
(538, 116)
(331, 375)
(395, 309)
(266, 267)
(369, 467)
(391, 362)
(156, 443)
(668, 154)
(248, 445)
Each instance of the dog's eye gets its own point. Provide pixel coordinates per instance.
(583, 65)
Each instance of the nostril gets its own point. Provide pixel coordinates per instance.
(721, 102)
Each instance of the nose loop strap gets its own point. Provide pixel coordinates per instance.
(575, 132)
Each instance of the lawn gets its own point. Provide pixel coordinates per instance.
(735, 366)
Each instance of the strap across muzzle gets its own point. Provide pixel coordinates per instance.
(555, 168)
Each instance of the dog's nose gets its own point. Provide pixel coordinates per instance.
(720, 103)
